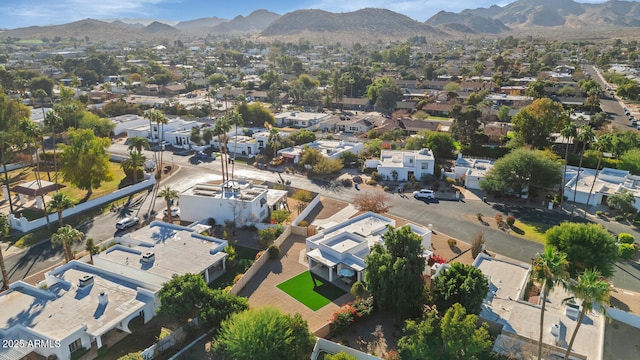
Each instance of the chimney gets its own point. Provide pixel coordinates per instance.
(103, 299)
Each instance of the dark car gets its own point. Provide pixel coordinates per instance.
(201, 155)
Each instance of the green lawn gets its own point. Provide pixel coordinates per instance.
(301, 288)
(531, 231)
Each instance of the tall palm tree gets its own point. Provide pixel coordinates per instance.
(568, 132)
(274, 140)
(602, 143)
(158, 117)
(236, 119)
(135, 161)
(53, 120)
(593, 290)
(585, 136)
(66, 236)
(60, 202)
(32, 135)
(138, 143)
(549, 268)
(4, 232)
(220, 129)
(168, 195)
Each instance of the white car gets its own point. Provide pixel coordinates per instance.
(175, 211)
(424, 194)
(127, 223)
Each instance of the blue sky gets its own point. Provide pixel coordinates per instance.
(21, 13)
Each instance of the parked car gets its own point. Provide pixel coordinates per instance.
(201, 155)
(175, 211)
(127, 223)
(424, 194)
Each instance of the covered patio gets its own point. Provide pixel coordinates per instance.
(33, 191)
(329, 267)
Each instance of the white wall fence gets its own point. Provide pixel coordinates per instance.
(303, 215)
(24, 225)
(164, 344)
(258, 264)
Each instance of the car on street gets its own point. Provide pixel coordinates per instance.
(175, 211)
(203, 156)
(127, 222)
(424, 194)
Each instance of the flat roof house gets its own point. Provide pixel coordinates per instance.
(404, 164)
(78, 305)
(236, 200)
(605, 183)
(518, 320)
(332, 149)
(157, 252)
(340, 249)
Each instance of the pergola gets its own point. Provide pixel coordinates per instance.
(32, 189)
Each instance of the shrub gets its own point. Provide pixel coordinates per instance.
(375, 176)
(626, 251)
(259, 254)
(477, 244)
(450, 181)
(343, 318)
(511, 220)
(346, 182)
(358, 289)
(364, 306)
(452, 242)
(626, 238)
(599, 213)
(303, 223)
(479, 216)
(436, 259)
(619, 218)
(371, 182)
(103, 350)
(274, 252)
(498, 218)
(237, 278)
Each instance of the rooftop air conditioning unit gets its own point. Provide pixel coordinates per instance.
(85, 281)
(148, 257)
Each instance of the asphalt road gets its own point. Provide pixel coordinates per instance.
(446, 216)
(610, 104)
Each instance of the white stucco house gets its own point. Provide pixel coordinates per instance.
(299, 119)
(175, 132)
(471, 171)
(604, 183)
(73, 308)
(332, 149)
(128, 121)
(340, 249)
(403, 164)
(238, 201)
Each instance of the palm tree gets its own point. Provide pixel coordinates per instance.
(4, 232)
(602, 143)
(32, 134)
(236, 119)
(91, 248)
(207, 135)
(549, 268)
(158, 117)
(138, 143)
(274, 140)
(133, 163)
(594, 292)
(568, 132)
(168, 195)
(5, 156)
(53, 120)
(66, 236)
(60, 202)
(220, 129)
(585, 136)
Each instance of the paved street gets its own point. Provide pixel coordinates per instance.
(446, 216)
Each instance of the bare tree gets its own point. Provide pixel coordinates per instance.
(477, 244)
(374, 201)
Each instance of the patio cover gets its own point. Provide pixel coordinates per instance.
(31, 188)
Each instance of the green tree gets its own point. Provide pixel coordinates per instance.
(133, 163)
(394, 272)
(340, 356)
(521, 168)
(461, 338)
(594, 292)
(384, 93)
(549, 268)
(220, 129)
(466, 123)
(503, 113)
(255, 114)
(280, 216)
(235, 120)
(463, 284)
(534, 123)
(4, 232)
(91, 248)
(585, 136)
(630, 161)
(85, 161)
(623, 201)
(264, 333)
(60, 202)
(302, 136)
(158, 117)
(168, 195)
(43, 83)
(440, 143)
(588, 246)
(138, 143)
(66, 236)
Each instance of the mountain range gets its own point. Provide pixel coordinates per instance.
(552, 18)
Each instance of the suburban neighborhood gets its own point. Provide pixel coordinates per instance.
(191, 194)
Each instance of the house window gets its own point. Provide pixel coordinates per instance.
(425, 166)
(74, 346)
(410, 161)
